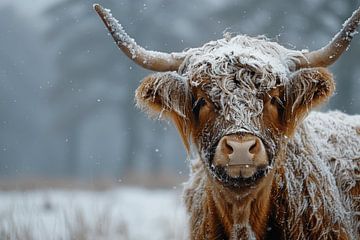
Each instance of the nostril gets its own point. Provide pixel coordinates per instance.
(240, 152)
(227, 148)
(254, 148)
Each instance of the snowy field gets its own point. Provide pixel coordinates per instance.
(123, 213)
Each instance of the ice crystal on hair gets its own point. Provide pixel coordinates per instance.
(234, 73)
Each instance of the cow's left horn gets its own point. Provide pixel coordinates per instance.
(332, 51)
(151, 60)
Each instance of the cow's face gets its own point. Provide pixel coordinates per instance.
(237, 101)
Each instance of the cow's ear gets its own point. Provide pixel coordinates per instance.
(306, 89)
(164, 93)
(167, 95)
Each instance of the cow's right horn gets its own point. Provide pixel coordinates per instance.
(151, 60)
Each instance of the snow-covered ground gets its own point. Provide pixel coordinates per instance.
(123, 213)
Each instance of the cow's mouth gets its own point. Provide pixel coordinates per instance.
(222, 174)
(243, 168)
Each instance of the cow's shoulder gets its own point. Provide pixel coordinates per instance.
(312, 186)
(335, 132)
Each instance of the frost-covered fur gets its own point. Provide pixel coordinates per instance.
(312, 184)
(312, 187)
(167, 85)
(234, 73)
(320, 169)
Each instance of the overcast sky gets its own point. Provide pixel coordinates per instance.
(30, 8)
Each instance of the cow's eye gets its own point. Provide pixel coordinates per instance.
(197, 106)
(277, 101)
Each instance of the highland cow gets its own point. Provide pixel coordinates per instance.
(267, 167)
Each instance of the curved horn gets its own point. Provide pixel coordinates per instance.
(327, 55)
(151, 60)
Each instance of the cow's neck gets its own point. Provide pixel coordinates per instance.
(243, 210)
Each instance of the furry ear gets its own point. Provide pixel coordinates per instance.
(306, 89)
(167, 94)
(163, 93)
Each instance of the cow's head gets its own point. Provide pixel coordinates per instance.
(236, 99)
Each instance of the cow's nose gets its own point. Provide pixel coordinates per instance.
(235, 150)
(240, 152)
(240, 155)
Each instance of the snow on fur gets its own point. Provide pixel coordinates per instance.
(321, 162)
(241, 68)
(167, 85)
(316, 163)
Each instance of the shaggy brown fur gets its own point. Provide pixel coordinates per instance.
(305, 208)
(305, 195)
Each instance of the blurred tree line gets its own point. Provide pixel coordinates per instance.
(67, 93)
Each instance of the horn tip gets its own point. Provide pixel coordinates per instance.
(97, 7)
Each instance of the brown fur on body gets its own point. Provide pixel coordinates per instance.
(226, 213)
(312, 191)
(274, 214)
(277, 211)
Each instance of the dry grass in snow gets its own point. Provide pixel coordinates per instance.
(124, 213)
